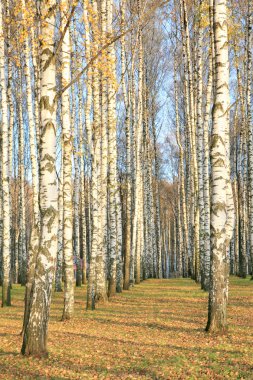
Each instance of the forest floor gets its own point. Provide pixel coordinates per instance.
(153, 331)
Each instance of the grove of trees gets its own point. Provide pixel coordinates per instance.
(126, 141)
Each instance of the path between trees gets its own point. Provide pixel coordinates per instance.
(154, 331)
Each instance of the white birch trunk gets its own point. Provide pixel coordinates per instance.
(112, 155)
(22, 253)
(68, 309)
(221, 206)
(182, 187)
(126, 96)
(35, 329)
(59, 262)
(250, 132)
(31, 121)
(6, 290)
(96, 290)
(206, 189)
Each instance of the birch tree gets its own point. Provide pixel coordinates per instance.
(67, 177)
(6, 286)
(250, 131)
(36, 326)
(112, 155)
(221, 209)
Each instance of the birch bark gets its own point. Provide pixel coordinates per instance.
(68, 308)
(221, 206)
(35, 329)
(250, 134)
(6, 286)
(112, 154)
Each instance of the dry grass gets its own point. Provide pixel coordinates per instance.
(154, 331)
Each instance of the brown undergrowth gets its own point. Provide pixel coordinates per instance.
(153, 331)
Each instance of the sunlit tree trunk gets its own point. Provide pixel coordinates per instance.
(89, 145)
(31, 120)
(126, 96)
(9, 92)
(206, 190)
(14, 263)
(221, 207)
(180, 236)
(133, 161)
(83, 188)
(200, 146)
(59, 261)
(35, 329)
(104, 247)
(190, 121)
(22, 253)
(250, 135)
(6, 283)
(146, 247)
(96, 290)
(119, 266)
(157, 199)
(76, 190)
(182, 187)
(35, 50)
(150, 246)
(77, 135)
(112, 155)
(138, 208)
(241, 268)
(83, 227)
(67, 178)
(33, 244)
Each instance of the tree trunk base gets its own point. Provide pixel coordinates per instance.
(215, 327)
